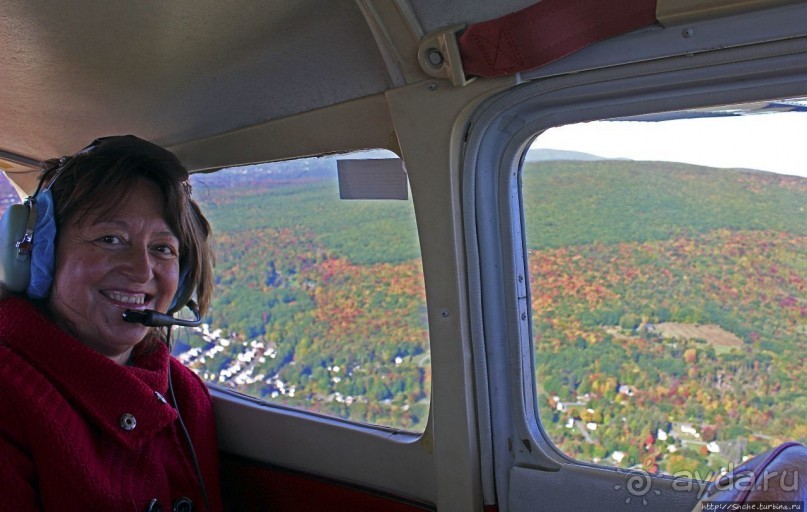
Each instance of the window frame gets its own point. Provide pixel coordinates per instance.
(336, 184)
(322, 446)
(523, 463)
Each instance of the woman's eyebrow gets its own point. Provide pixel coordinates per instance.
(123, 224)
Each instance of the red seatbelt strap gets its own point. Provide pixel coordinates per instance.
(547, 31)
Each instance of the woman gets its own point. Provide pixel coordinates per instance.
(90, 404)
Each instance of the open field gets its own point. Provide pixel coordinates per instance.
(713, 334)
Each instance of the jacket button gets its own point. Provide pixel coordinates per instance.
(127, 422)
(183, 504)
(154, 506)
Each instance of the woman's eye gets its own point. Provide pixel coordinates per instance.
(110, 239)
(166, 250)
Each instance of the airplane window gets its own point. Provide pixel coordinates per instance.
(668, 262)
(8, 194)
(319, 301)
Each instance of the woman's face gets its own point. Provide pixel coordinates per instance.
(128, 259)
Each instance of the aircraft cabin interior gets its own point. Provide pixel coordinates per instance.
(470, 256)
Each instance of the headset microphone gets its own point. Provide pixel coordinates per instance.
(151, 318)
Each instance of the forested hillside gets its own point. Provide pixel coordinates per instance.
(630, 263)
(668, 305)
(321, 300)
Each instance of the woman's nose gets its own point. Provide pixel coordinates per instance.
(138, 265)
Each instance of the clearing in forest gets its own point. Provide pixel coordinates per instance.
(713, 334)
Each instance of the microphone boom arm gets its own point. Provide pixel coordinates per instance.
(151, 318)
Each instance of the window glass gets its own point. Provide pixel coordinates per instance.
(8, 194)
(668, 262)
(319, 301)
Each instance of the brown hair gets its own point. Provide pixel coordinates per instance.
(95, 180)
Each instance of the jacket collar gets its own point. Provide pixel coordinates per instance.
(100, 388)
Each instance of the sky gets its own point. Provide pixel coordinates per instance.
(775, 142)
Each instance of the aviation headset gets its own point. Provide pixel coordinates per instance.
(28, 230)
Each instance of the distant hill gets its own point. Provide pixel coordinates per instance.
(287, 171)
(567, 202)
(543, 155)
(611, 201)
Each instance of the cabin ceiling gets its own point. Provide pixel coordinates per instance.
(181, 71)
(173, 71)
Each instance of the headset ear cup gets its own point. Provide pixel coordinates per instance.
(15, 266)
(44, 247)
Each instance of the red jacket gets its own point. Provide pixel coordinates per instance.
(66, 418)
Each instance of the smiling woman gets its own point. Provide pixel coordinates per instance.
(106, 265)
(111, 229)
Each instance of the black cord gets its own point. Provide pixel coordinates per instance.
(182, 426)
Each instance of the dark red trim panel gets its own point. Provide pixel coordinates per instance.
(252, 486)
(547, 31)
